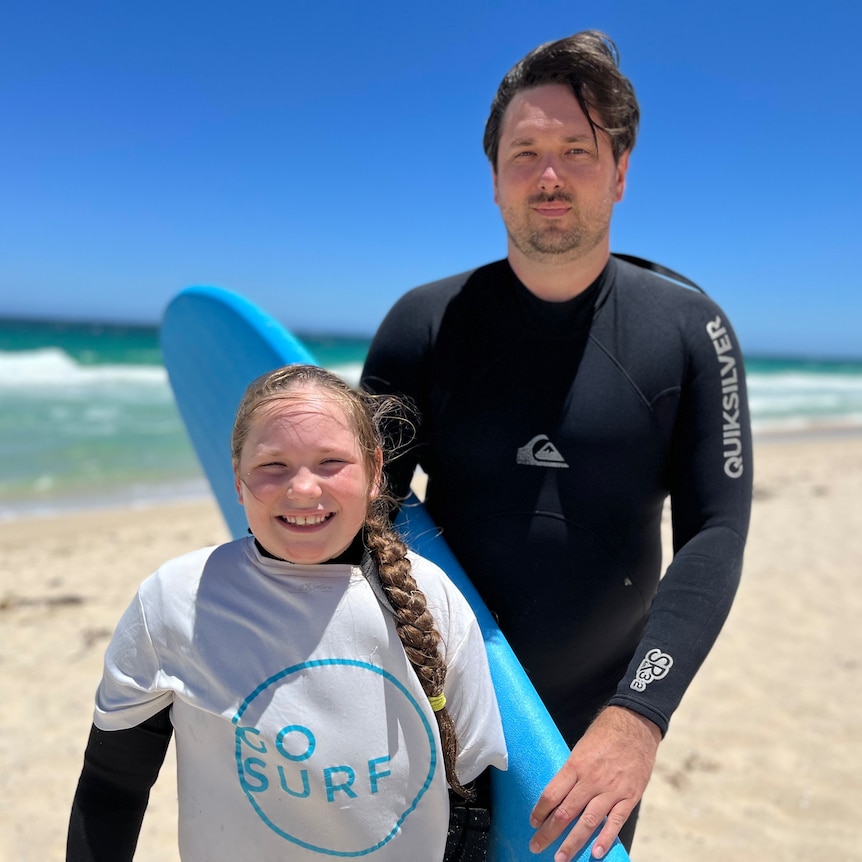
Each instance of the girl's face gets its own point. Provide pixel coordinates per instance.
(302, 478)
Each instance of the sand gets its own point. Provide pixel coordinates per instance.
(763, 759)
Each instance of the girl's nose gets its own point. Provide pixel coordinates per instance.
(303, 484)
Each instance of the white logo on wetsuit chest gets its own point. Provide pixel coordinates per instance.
(540, 452)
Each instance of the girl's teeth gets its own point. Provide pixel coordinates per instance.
(308, 520)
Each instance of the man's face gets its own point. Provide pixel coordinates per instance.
(555, 184)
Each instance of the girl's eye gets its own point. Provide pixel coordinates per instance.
(273, 467)
(334, 463)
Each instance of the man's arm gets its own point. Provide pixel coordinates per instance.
(710, 478)
(609, 768)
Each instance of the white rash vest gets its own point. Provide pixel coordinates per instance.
(302, 732)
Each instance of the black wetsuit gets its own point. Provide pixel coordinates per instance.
(552, 434)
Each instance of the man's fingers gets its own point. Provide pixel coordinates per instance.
(554, 793)
(571, 810)
(586, 826)
(557, 821)
(595, 815)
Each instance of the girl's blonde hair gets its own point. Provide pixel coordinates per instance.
(366, 414)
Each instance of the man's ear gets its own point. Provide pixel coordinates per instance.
(622, 170)
(238, 485)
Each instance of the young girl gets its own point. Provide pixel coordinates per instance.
(326, 686)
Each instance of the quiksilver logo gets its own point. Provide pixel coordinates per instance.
(730, 398)
(540, 452)
(655, 665)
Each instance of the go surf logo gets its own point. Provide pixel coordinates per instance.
(319, 755)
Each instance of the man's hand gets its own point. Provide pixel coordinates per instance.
(604, 777)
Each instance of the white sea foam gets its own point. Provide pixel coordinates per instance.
(349, 372)
(52, 368)
(798, 401)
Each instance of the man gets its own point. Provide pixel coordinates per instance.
(563, 394)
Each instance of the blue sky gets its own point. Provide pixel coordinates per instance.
(322, 158)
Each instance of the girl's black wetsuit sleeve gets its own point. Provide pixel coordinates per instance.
(120, 768)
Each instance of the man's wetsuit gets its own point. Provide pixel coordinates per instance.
(552, 433)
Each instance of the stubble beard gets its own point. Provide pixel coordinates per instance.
(549, 242)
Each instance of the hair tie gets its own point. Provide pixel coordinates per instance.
(437, 702)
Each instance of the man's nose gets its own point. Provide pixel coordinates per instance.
(550, 178)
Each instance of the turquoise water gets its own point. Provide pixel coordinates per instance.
(87, 416)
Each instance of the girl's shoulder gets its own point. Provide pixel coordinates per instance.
(441, 591)
(426, 571)
(181, 575)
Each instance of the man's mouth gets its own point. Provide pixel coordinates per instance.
(552, 210)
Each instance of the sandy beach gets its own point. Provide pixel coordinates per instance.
(763, 759)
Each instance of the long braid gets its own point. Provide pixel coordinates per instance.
(416, 629)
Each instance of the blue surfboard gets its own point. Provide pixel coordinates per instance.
(214, 344)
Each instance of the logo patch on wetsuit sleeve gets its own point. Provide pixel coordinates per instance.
(730, 398)
(655, 665)
(540, 452)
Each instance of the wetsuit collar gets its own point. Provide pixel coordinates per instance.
(569, 313)
(353, 556)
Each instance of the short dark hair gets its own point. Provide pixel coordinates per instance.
(587, 63)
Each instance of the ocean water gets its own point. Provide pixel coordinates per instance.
(87, 416)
